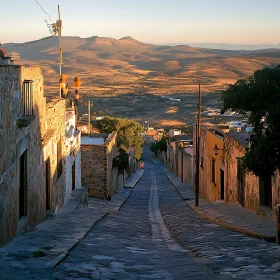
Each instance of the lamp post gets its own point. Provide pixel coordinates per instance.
(197, 134)
(181, 147)
(76, 85)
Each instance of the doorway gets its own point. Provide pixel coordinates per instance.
(48, 184)
(23, 185)
(222, 184)
(266, 192)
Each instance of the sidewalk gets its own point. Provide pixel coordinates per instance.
(34, 254)
(228, 215)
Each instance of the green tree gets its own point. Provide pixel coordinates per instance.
(259, 97)
(121, 161)
(159, 146)
(129, 133)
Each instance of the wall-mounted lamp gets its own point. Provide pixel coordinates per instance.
(181, 145)
(217, 150)
(76, 85)
(63, 86)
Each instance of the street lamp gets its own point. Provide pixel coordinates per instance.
(76, 86)
(63, 88)
(217, 150)
(181, 147)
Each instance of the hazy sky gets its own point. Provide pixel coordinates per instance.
(150, 21)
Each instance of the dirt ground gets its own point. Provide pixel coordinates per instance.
(157, 110)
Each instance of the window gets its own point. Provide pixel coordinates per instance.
(59, 159)
(213, 170)
(27, 97)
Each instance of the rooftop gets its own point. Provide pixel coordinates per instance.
(241, 138)
(94, 139)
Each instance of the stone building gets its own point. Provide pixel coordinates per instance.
(171, 156)
(180, 161)
(35, 154)
(98, 174)
(4, 58)
(245, 188)
(221, 176)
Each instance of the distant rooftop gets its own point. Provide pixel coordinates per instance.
(94, 139)
(85, 140)
(241, 138)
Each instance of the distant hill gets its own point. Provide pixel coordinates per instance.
(126, 65)
(225, 46)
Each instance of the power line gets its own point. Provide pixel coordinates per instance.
(43, 10)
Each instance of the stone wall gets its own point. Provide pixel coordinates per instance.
(98, 174)
(36, 138)
(275, 193)
(93, 165)
(233, 151)
(14, 141)
(55, 128)
(176, 159)
(188, 175)
(111, 145)
(171, 157)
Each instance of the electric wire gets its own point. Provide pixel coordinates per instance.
(43, 10)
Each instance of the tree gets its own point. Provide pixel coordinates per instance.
(159, 146)
(129, 133)
(259, 97)
(121, 161)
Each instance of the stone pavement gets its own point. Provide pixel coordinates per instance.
(133, 243)
(156, 235)
(225, 214)
(34, 254)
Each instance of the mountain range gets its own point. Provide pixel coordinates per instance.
(126, 65)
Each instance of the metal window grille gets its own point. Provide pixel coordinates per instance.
(27, 90)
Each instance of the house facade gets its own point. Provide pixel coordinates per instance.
(33, 152)
(211, 165)
(180, 161)
(222, 177)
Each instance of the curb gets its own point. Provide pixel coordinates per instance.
(235, 228)
(65, 255)
(131, 189)
(221, 223)
(74, 245)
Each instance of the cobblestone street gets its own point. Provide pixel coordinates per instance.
(156, 235)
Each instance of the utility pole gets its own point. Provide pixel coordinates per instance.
(60, 47)
(88, 118)
(197, 146)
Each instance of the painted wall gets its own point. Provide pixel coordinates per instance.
(210, 186)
